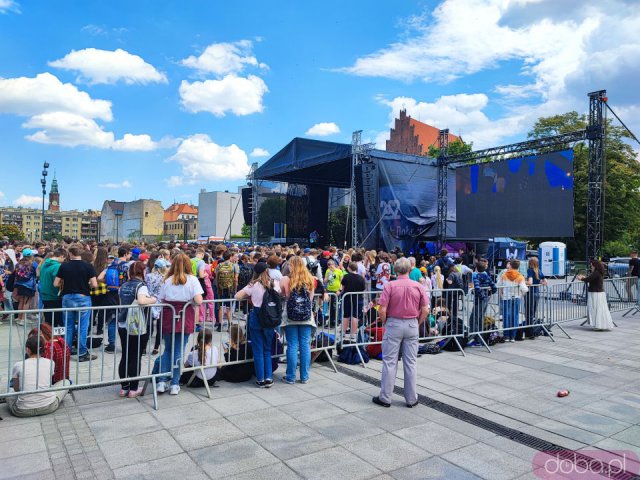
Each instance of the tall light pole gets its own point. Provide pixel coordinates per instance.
(43, 182)
(231, 199)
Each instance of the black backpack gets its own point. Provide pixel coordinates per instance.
(299, 308)
(245, 276)
(270, 313)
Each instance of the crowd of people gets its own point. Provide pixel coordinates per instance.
(262, 293)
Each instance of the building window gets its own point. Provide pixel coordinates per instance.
(146, 214)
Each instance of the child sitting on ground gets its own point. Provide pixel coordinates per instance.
(202, 354)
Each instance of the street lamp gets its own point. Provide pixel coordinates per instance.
(184, 228)
(43, 182)
(231, 199)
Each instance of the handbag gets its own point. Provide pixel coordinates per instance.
(136, 321)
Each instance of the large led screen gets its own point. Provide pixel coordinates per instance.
(524, 197)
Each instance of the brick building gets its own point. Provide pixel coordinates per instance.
(412, 136)
(181, 222)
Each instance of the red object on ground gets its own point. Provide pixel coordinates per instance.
(563, 393)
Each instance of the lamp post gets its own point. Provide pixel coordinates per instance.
(185, 223)
(43, 182)
(231, 199)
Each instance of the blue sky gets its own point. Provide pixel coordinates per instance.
(158, 99)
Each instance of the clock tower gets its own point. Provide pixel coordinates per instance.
(54, 196)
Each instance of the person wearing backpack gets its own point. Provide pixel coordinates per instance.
(299, 322)
(51, 295)
(25, 283)
(226, 279)
(113, 277)
(133, 328)
(263, 319)
(483, 288)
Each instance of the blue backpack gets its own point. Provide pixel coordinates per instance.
(116, 274)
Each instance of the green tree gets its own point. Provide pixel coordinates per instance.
(622, 185)
(272, 210)
(53, 237)
(455, 147)
(338, 225)
(246, 230)
(12, 232)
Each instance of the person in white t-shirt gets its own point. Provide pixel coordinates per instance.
(203, 353)
(31, 375)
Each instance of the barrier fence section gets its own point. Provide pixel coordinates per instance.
(88, 346)
(361, 327)
(231, 356)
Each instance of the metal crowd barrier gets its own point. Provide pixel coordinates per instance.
(68, 333)
(360, 310)
(231, 315)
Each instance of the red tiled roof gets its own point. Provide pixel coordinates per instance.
(172, 213)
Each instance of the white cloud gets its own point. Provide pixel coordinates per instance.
(105, 66)
(224, 58)
(123, 184)
(44, 93)
(72, 130)
(563, 50)
(203, 160)
(239, 95)
(259, 152)
(7, 6)
(27, 200)
(2, 195)
(102, 30)
(323, 129)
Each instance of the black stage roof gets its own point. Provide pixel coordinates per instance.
(316, 162)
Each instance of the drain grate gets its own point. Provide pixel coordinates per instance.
(512, 434)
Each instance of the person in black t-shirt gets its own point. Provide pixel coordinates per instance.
(352, 283)
(634, 271)
(75, 277)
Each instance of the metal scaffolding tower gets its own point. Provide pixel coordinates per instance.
(253, 206)
(443, 170)
(595, 189)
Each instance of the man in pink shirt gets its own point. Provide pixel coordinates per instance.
(403, 307)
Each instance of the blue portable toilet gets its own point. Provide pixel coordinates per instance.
(553, 259)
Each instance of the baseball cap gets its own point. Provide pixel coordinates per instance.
(306, 250)
(27, 252)
(260, 267)
(161, 263)
(144, 256)
(135, 253)
(326, 253)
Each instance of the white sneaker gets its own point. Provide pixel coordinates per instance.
(175, 389)
(161, 387)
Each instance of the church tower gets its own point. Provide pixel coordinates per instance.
(54, 196)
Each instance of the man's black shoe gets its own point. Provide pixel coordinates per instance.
(377, 401)
(86, 357)
(411, 405)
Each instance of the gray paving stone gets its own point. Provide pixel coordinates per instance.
(335, 463)
(619, 411)
(42, 475)
(14, 431)
(434, 467)
(140, 448)
(593, 422)
(311, 410)
(177, 416)
(293, 442)
(116, 408)
(242, 403)
(232, 458)
(325, 388)
(165, 400)
(345, 428)
(168, 468)
(276, 471)
(263, 421)
(126, 426)
(354, 401)
(630, 435)
(488, 462)
(283, 394)
(22, 446)
(211, 432)
(435, 438)
(24, 465)
(391, 419)
(387, 452)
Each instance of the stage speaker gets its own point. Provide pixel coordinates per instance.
(247, 205)
(366, 182)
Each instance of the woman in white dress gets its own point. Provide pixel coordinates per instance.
(597, 307)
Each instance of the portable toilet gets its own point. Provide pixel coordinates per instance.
(552, 256)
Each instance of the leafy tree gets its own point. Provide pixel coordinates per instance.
(455, 147)
(246, 230)
(272, 210)
(622, 185)
(53, 237)
(338, 225)
(12, 232)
